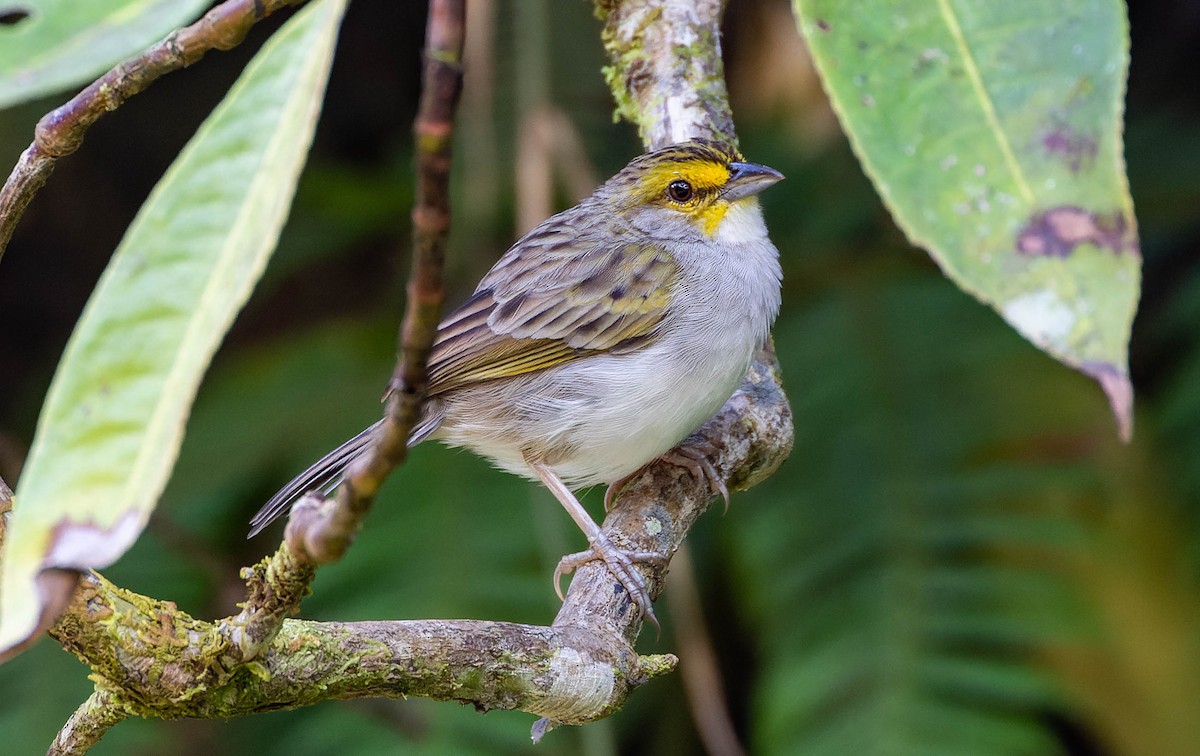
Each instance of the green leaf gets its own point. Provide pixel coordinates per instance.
(113, 420)
(992, 130)
(64, 43)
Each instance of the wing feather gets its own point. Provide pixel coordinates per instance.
(553, 298)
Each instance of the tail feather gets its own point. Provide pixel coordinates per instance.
(326, 473)
(323, 475)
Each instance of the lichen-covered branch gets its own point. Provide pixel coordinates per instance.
(61, 131)
(150, 659)
(87, 725)
(274, 589)
(665, 68)
(168, 665)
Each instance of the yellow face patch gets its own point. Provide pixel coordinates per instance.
(713, 214)
(705, 178)
(704, 175)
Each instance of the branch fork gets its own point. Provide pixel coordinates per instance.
(150, 659)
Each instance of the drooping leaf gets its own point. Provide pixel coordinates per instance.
(48, 45)
(993, 131)
(114, 416)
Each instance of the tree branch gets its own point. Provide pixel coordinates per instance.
(167, 664)
(87, 725)
(665, 69)
(157, 661)
(60, 132)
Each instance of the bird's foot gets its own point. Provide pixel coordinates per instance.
(620, 564)
(692, 456)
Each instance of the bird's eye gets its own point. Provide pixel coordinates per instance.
(680, 190)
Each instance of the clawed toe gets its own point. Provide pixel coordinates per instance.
(620, 564)
(694, 457)
(610, 493)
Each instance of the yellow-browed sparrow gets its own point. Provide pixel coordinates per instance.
(603, 337)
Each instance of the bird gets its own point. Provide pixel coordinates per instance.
(601, 339)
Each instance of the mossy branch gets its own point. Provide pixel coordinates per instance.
(665, 69)
(87, 725)
(152, 660)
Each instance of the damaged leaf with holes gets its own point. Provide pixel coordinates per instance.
(993, 132)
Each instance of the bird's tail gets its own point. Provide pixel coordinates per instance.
(326, 473)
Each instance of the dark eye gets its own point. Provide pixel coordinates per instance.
(680, 190)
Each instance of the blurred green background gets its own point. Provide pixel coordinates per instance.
(958, 558)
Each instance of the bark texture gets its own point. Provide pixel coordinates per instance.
(150, 659)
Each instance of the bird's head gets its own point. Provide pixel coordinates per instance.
(697, 189)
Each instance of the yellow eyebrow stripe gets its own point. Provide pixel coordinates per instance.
(704, 176)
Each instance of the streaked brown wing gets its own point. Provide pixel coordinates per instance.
(548, 301)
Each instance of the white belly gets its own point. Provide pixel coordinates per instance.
(600, 418)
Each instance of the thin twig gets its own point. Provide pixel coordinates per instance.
(319, 531)
(327, 538)
(87, 725)
(60, 132)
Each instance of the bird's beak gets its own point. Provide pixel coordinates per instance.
(747, 179)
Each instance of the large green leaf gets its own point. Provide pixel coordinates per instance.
(48, 45)
(993, 132)
(114, 417)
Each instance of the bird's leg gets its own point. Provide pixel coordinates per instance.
(691, 456)
(619, 562)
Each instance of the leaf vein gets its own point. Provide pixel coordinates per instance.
(985, 100)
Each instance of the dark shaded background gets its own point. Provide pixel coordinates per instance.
(957, 531)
